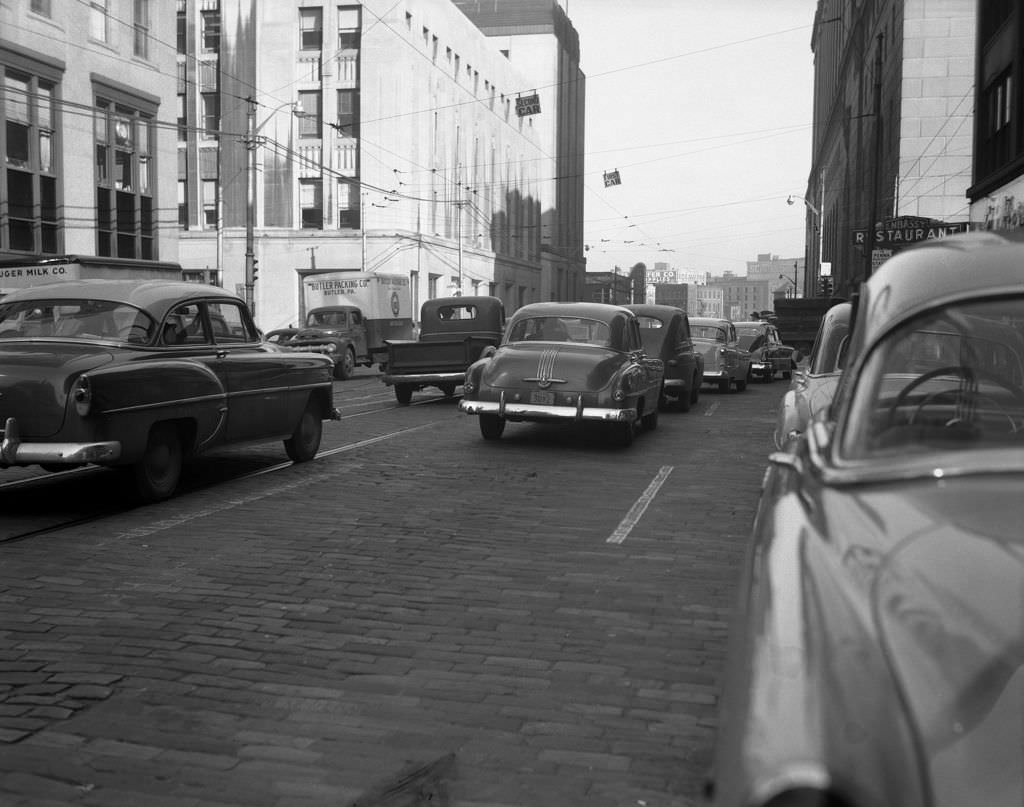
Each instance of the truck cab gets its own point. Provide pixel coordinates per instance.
(336, 331)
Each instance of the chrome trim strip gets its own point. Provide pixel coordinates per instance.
(540, 411)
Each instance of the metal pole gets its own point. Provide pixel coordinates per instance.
(250, 208)
(869, 268)
(459, 231)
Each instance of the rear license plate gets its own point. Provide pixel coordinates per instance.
(542, 397)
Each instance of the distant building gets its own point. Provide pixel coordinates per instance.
(89, 156)
(894, 100)
(740, 296)
(785, 275)
(997, 194)
(609, 287)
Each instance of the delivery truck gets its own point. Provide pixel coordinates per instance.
(349, 316)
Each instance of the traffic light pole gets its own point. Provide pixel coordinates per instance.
(251, 142)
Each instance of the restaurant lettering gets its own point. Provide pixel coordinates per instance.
(906, 230)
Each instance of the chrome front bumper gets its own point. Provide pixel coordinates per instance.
(716, 375)
(528, 411)
(15, 452)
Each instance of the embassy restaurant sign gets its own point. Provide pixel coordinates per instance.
(903, 231)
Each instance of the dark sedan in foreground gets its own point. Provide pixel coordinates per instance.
(141, 375)
(877, 650)
(567, 362)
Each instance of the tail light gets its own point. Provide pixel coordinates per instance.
(81, 394)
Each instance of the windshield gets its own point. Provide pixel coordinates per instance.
(749, 338)
(326, 319)
(560, 329)
(75, 319)
(708, 332)
(950, 380)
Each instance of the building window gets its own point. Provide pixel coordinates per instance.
(183, 204)
(210, 31)
(98, 20)
(348, 205)
(348, 28)
(40, 7)
(210, 202)
(311, 28)
(182, 119)
(995, 125)
(211, 115)
(28, 191)
(348, 113)
(311, 114)
(125, 209)
(311, 204)
(182, 26)
(140, 26)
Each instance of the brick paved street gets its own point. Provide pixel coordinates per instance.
(431, 618)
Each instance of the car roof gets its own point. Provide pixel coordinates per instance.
(154, 296)
(937, 273)
(709, 321)
(598, 311)
(655, 309)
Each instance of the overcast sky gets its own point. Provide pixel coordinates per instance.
(704, 107)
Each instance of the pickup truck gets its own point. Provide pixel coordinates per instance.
(454, 332)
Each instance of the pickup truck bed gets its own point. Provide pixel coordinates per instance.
(432, 362)
(454, 333)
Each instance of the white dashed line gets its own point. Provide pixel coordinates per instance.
(638, 508)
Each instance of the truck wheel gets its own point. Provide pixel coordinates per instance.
(448, 390)
(741, 383)
(725, 385)
(343, 369)
(156, 475)
(492, 426)
(695, 388)
(403, 393)
(305, 440)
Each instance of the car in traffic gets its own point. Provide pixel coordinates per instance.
(567, 363)
(768, 356)
(665, 331)
(280, 336)
(811, 389)
(727, 364)
(877, 645)
(141, 375)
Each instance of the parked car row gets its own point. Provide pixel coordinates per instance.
(877, 647)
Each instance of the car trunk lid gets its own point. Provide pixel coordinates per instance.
(562, 367)
(35, 378)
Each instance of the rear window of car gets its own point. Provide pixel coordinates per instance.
(75, 319)
(560, 329)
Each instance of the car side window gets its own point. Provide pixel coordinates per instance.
(229, 323)
(184, 326)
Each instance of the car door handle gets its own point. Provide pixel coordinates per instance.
(221, 354)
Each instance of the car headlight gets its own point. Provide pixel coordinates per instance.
(81, 394)
(332, 348)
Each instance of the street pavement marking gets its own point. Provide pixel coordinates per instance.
(168, 523)
(638, 508)
(711, 408)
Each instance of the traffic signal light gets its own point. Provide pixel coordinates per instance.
(256, 269)
(825, 286)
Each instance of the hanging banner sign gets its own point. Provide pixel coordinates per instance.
(528, 105)
(612, 178)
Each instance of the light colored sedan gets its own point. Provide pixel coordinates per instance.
(726, 363)
(811, 390)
